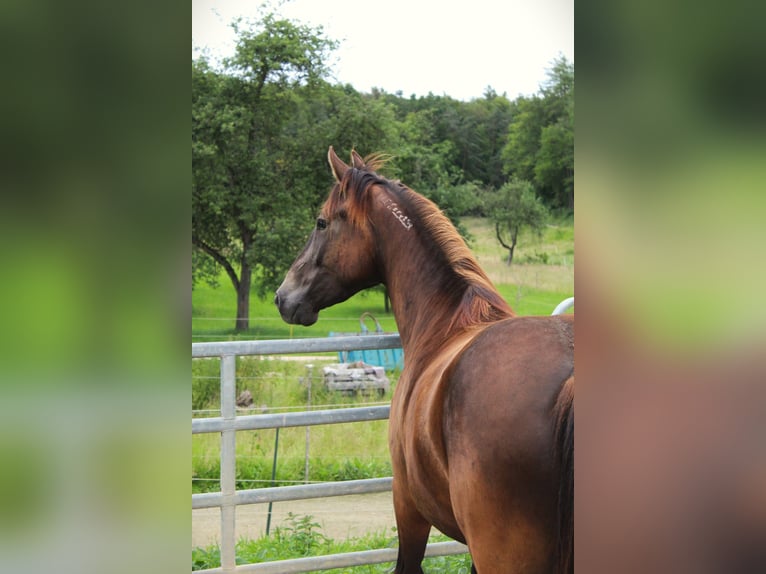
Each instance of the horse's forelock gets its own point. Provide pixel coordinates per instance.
(352, 192)
(352, 195)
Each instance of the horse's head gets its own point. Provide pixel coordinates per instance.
(340, 256)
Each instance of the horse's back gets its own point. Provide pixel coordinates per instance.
(513, 368)
(499, 428)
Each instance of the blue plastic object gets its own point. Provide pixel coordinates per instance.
(389, 359)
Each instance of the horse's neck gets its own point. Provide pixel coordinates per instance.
(425, 294)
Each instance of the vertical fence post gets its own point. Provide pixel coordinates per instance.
(228, 464)
(273, 480)
(309, 382)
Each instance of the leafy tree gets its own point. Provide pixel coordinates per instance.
(520, 151)
(516, 207)
(554, 170)
(474, 131)
(350, 120)
(489, 118)
(540, 143)
(204, 269)
(249, 192)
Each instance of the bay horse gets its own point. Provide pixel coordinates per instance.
(481, 429)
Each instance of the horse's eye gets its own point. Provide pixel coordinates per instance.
(321, 223)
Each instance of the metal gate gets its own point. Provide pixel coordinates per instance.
(229, 423)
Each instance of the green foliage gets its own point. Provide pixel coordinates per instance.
(279, 52)
(301, 537)
(204, 269)
(460, 199)
(516, 207)
(249, 193)
(520, 151)
(536, 257)
(540, 143)
(205, 558)
(481, 152)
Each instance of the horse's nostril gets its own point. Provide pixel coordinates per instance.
(276, 299)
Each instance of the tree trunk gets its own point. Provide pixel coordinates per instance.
(243, 298)
(510, 255)
(510, 247)
(242, 321)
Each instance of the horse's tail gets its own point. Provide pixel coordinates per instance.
(564, 443)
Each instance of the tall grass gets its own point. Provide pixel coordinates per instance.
(541, 264)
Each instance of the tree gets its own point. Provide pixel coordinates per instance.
(540, 144)
(490, 118)
(520, 151)
(514, 208)
(554, 169)
(248, 191)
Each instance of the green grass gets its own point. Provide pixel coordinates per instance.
(213, 312)
(541, 264)
(336, 452)
(302, 537)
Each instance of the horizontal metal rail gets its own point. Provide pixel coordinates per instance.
(296, 346)
(297, 492)
(284, 420)
(563, 306)
(345, 560)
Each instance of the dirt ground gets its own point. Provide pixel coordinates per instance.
(340, 517)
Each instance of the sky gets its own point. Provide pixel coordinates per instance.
(418, 47)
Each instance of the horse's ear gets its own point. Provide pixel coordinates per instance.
(356, 160)
(336, 164)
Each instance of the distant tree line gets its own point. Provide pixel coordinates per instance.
(263, 119)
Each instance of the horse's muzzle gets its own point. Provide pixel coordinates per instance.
(294, 309)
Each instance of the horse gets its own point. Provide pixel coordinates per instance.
(481, 429)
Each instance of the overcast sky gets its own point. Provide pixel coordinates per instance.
(420, 46)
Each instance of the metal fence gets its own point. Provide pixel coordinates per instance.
(229, 423)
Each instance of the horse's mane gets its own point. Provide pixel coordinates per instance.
(480, 301)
